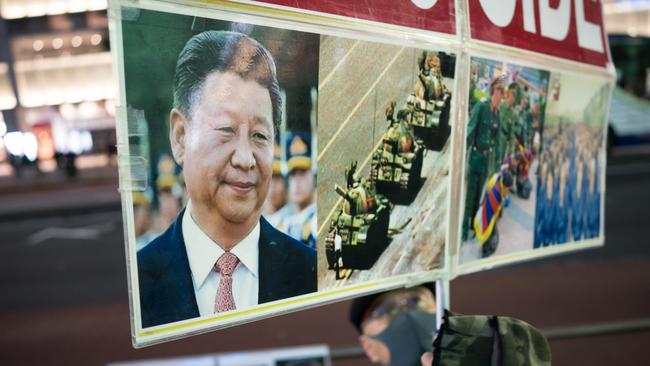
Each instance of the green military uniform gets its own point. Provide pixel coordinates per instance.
(465, 340)
(481, 133)
(472, 97)
(526, 122)
(505, 137)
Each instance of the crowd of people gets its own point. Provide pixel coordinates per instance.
(568, 185)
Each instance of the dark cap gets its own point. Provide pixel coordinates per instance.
(361, 305)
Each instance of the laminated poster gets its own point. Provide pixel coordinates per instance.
(269, 166)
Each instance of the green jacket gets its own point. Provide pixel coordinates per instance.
(465, 340)
(482, 127)
(507, 129)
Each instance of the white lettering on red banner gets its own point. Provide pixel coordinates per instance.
(567, 28)
(429, 15)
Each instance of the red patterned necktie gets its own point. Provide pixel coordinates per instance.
(225, 265)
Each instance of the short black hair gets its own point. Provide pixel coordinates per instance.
(224, 51)
(361, 305)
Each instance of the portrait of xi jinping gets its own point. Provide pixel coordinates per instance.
(220, 254)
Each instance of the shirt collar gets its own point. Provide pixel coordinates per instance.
(203, 252)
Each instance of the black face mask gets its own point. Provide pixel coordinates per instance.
(408, 336)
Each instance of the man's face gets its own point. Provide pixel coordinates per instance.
(497, 95)
(384, 311)
(301, 187)
(511, 97)
(227, 149)
(278, 195)
(376, 350)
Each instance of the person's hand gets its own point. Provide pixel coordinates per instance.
(427, 358)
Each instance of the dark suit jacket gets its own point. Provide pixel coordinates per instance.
(287, 268)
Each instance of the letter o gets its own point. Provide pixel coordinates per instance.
(424, 4)
(500, 12)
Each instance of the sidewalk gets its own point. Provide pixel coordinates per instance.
(55, 194)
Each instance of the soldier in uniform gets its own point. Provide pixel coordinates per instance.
(525, 126)
(535, 133)
(300, 225)
(481, 132)
(539, 203)
(506, 135)
(142, 219)
(277, 196)
(577, 209)
(589, 191)
(169, 192)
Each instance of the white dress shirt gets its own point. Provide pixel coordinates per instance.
(203, 253)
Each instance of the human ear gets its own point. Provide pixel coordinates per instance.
(177, 131)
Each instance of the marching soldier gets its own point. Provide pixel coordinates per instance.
(481, 133)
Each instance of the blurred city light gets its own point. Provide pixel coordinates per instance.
(57, 43)
(95, 39)
(76, 41)
(3, 126)
(86, 141)
(38, 45)
(70, 79)
(22, 144)
(14, 9)
(30, 146)
(7, 97)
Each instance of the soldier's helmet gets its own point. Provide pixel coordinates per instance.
(167, 178)
(141, 198)
(298, 151)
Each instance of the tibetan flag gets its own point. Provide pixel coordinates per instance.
(491, 205)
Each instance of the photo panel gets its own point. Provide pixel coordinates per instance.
(534, 156)
(571, 175)
(503, 140)
(222, 114)
(383, 160)
(270, 166)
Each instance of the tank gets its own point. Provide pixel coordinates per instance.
(397, 163)
(358, 233)
(430, 104)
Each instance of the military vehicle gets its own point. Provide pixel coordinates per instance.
(397, 164)
(430, 104)
(358, 233)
